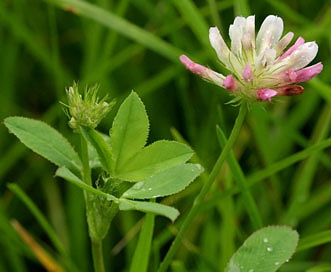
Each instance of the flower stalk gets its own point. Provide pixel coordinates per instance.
(199, 200)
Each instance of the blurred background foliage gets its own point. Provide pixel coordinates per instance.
(129, 45)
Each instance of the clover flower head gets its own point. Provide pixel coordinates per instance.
(86, 110)
(260, 67)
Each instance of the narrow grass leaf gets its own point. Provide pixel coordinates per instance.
(142, 252)
(45, 141)
(38, 216)
(320, 268)
(29, 39)
(164, 183)
(240, 178)
(120, 25)
(287, 11)
(12, 245)
(241, 8)
(265, 250)
(286, 162)
(194, 19)
(154, 158)
(148, 207)
(314, 240)
(44, 258)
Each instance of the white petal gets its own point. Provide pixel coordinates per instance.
(299, 58)
(230, 61)
(269, 34)
(236, 33)
(215, 77)
(250, 25)
(250, 31)
(265, 59)
(304, 55)
(283, 43)
(219, 45)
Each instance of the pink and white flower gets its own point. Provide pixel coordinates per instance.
(260, 69)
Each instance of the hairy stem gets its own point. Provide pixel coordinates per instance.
(96, 244)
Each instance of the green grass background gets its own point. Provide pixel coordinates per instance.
(134, 45)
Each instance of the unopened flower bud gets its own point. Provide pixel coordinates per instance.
(86, 110)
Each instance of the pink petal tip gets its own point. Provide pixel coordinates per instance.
(229, 83)
(192, 66)
(309, 72)
(266, 94)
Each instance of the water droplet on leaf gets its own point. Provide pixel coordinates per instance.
(138, 185)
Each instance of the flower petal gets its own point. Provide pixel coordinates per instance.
(269, 34)
(283, 43)
(309, 72)
(265, 59)
(192, 66)
(203, 71)
(299, 58)
(247, 73)
(236, 33)
(298, 42)
(290, 90)
(229, 83)
(248, 39)
(219, 46)
(265, 94)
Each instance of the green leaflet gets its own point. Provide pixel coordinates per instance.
(45, 141)
(129, 131)
(143, 206)
(265, 250)
(154, 158)
(167, 182)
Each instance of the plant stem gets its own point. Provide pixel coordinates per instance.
(85, 160)
(96, 244)
(97, 254)
(198, 202)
